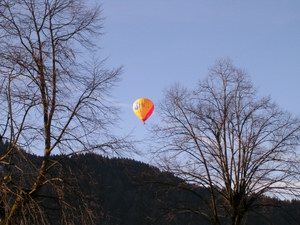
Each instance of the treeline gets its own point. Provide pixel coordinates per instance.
(128, 192)
(120, 191)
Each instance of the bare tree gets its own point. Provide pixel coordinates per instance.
(53, 99)
(222, 136)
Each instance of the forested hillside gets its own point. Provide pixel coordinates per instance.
(127, 192)
(130, 192)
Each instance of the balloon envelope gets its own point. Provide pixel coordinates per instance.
(143, 108)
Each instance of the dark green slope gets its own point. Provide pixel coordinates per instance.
(118, 191)
(127, 192)
(131, 192)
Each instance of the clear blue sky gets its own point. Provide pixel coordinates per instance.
(160, 42)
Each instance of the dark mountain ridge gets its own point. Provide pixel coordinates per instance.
(119, 191)
(129, 192)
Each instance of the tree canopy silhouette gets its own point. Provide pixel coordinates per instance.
(54, 97)
(223, 136)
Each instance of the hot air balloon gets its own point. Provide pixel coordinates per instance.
(143, 108)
